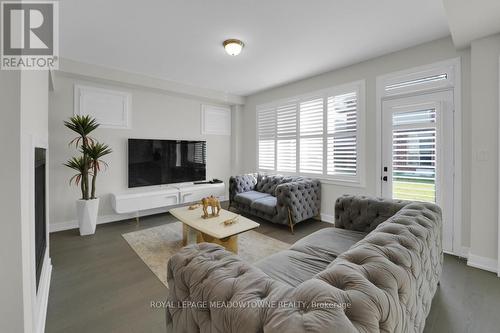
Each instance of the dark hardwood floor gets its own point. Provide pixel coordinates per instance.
(99, 284)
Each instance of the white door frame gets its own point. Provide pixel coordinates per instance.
(442, 102)
(453, 67)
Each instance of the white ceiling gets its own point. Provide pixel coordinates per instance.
(470, 20)
(181, 40)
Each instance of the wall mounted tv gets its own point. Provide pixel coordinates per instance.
(156, 162)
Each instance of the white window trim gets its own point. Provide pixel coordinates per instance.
(356, 181)
(453, 68)
(445, 67)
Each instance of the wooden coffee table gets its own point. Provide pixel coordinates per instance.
(212, 230)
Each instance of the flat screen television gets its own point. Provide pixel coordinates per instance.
(156, 162)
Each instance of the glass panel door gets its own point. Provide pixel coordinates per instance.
(417, 152)
(414, 155)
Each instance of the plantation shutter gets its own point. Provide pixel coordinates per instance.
(414, 155)
(266, 124)
(311, 136)
(315, 135)
(287, 138)
(342, 134)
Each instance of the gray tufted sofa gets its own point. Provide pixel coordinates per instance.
(276, 198)
(376, 271)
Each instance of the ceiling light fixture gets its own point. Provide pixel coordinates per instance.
(233, 47)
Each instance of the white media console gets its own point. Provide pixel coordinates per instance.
(168, 197)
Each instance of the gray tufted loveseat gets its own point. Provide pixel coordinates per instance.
(275, 198)
(376, 271)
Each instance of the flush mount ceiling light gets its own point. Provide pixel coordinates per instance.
(233, 47)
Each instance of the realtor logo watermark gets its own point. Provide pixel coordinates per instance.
(29, 35)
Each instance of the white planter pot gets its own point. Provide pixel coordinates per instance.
(86, 211)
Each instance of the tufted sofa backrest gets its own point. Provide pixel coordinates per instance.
(268, 183)
(361, 213)
(242, 183)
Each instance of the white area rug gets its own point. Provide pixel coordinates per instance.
(156, 245)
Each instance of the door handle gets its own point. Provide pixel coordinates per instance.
(384, 178)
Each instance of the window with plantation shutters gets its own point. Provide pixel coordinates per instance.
(286, 130)
(342, 134)
(311, 136)
(316, 135)
(266, 127)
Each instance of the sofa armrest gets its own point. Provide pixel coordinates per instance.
(241, 183)
(360, 213)
(213, 290)
(299, 200)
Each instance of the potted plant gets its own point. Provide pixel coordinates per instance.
(87, 165)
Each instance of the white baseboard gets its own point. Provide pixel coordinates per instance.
(60, 226)
(484, 263)
(73, 224)
(43, 296)
(327, 218)
(463, 252)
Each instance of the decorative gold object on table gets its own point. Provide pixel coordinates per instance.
(193, 207)
(231, 220)
(214, 205)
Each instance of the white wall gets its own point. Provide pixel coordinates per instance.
(484, 169)
(442, 49)
(24, 97)
(236, 125)
(154, 115)
(11, 278)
